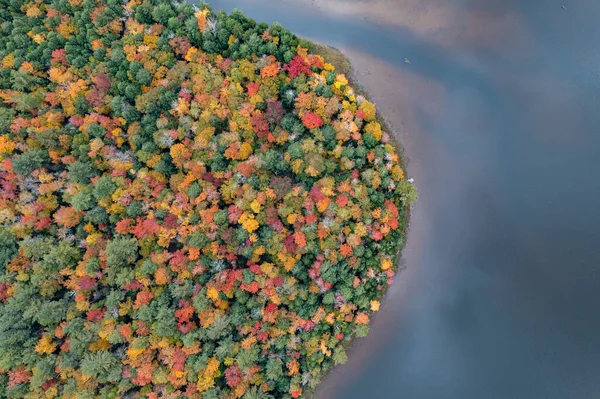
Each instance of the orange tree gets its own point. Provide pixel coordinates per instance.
(190, 204)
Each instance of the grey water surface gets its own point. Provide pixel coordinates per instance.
(501, 294)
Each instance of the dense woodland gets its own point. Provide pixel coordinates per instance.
(191, 205)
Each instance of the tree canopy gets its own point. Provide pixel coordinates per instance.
(191, 204)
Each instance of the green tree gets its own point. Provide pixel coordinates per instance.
(407, 191)
(101, 365)
(82, 172)
(339, 355)
(8, 247)
(274, 369)
(29, 161)
(83, 200)
(104, 187)
(121, 252)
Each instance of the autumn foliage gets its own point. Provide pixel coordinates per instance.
(191, 205)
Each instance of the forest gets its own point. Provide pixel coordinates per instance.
(191, 204)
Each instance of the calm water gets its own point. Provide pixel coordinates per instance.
(501, 294)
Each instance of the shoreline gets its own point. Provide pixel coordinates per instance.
(342, 64)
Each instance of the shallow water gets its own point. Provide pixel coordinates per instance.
(498, 112)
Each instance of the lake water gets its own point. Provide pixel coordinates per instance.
(497, 105)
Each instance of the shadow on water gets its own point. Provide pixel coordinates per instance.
(498, 110)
